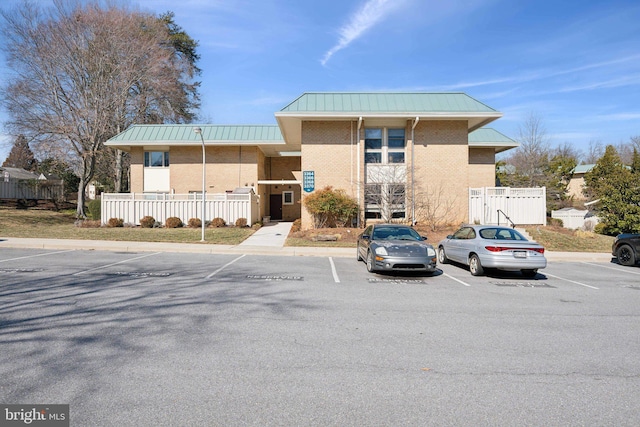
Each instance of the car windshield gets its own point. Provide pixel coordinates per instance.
(395, 233)
(501, 234)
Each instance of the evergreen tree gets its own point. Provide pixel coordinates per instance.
(21, 156)
(618, 189)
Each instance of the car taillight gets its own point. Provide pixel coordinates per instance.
(504, 248)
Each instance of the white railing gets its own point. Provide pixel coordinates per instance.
(524, 206)
(32, 189)
(131, 207)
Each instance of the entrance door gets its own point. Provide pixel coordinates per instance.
(275, 203)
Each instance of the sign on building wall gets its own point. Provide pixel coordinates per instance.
(308, 181)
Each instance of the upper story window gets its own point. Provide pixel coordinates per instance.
(156, 159)
(384, 145)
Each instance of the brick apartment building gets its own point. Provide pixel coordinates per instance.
(414, 146)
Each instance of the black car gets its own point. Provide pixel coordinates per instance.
(394, 247)
(626, 248)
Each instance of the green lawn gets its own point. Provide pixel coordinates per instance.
(45, 224)
(562, 240)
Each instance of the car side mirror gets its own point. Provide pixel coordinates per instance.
(365, 237)
(424, 237)
(450, 236)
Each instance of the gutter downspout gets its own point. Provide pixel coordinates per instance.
(413, 187)
(358, 180)
(351, 156)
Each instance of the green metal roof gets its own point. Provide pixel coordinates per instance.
(414, 102)
(491, 138)
(583, 168)
(184, 134)
(489, 135)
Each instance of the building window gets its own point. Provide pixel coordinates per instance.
(287, 197)
(156, 159)
(384, 145)
(386, 201)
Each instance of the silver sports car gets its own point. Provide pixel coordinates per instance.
(488, 246)
(389, 247)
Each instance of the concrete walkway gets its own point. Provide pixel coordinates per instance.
(272, 234)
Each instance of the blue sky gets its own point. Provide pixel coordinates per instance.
(576, 64)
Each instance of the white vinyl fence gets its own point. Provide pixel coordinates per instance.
(131, 207)
(524, 206)
(576, 218)
(31, 189)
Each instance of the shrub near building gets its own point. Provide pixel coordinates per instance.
(331, 208)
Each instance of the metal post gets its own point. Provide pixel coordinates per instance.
(198, 130)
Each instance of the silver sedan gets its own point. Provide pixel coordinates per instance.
(487, 246)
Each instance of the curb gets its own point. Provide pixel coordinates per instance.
(127, 246)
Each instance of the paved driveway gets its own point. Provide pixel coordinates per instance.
(131, 339)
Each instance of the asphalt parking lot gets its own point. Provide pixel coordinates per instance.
(153, 338)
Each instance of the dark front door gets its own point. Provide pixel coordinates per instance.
(275, 203)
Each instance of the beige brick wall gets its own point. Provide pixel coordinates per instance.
(137, 170)
(227, 168)
(575, 187)
(442, 166)
(327, 150)
(482, 167)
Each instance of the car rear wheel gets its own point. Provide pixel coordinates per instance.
(625, 255)
(530, 273)
(442, 256)
(475, 267)
(371, 266)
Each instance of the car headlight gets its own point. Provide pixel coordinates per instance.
(380, 250)
(431, 252)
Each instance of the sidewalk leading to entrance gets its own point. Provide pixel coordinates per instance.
(272, 234)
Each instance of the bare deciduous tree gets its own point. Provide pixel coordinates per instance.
(595, 150)
(385, 190)
(533, 153)
(435, 205)
(81, 73)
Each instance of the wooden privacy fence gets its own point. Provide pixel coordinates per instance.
(31, 189)
(524, 206)
(131, 207)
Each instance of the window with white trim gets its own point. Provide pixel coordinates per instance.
(384, 145)
(156, 159)
(287, 197)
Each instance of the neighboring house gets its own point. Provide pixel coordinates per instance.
(16, 183)
(18, 173)
(419, 144)
(576, 184)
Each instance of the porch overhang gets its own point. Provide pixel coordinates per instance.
(279, 182)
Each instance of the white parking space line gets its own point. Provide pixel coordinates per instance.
(333, 271)
(33, 256)
(115, 263)
(225, 266)
(622, 270)
(457, 280)
(571, 281)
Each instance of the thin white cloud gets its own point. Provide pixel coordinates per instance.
(545, 74)
(372, 12)
(620, 116)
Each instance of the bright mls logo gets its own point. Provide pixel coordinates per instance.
(34, 415)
